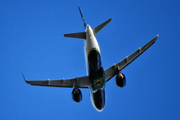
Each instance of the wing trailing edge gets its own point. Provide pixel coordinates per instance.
(79, 82)
(112, 71)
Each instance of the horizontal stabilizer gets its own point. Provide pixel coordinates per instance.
(98, 28)
(81, 35)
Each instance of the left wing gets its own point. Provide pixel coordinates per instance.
(112, 71)
(82, 82)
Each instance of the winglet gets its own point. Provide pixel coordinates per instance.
(24, 77)
(157, 32)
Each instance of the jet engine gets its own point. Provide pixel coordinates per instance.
(120, 79)
(76, 95)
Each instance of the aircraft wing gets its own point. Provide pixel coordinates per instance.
(82, 82)
(112, 71)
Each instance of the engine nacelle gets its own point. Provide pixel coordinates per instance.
(77, 95)
(120, 79)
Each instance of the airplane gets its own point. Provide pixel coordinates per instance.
(96, 77)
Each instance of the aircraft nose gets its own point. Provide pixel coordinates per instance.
(99, 106)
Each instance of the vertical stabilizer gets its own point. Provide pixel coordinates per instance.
(82, 17)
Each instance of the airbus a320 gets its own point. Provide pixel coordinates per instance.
(96, 77)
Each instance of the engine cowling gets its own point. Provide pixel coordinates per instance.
(77, 95)
(120, 79)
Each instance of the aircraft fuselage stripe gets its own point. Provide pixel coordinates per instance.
(93, 50)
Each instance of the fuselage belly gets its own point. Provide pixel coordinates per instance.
(94, 70)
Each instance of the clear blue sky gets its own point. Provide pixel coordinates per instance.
(32, 41)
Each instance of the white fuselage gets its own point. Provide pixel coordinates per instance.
(91, 44)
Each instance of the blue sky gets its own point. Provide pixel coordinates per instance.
(32, 41)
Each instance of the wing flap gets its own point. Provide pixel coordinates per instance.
(51, 83)
(112, 71)
(82, 82)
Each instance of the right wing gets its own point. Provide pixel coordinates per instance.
(82, 82)
(112, 71)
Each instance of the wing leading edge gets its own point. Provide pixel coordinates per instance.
(82, 82)
(112, 71)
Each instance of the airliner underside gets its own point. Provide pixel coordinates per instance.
(96, 75)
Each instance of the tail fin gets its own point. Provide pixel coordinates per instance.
(82, 17)
(101, 26)
(81, 35)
